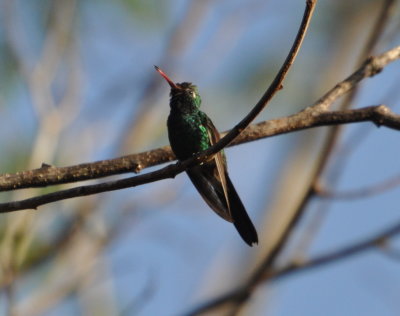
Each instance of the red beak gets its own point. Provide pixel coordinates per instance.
(170, 82)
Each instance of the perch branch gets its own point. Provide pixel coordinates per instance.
(49, 175)
(380, 115)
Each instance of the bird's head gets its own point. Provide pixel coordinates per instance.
(184, 96)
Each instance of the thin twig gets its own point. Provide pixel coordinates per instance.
(378, 188)
(352, 250)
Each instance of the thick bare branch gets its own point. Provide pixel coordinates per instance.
(49, 175)
(380, 115)
(46, 176)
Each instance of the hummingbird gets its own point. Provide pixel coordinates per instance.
(191, 131)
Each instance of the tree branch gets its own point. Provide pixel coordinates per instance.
(49, 175)
(380, 115)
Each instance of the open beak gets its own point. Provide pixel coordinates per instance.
(170, 82)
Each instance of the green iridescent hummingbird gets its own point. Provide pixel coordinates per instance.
(191, 131)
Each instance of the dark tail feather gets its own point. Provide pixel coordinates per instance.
(241, 219)
(211, 190)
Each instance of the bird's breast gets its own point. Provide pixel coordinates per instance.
(187, 135)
